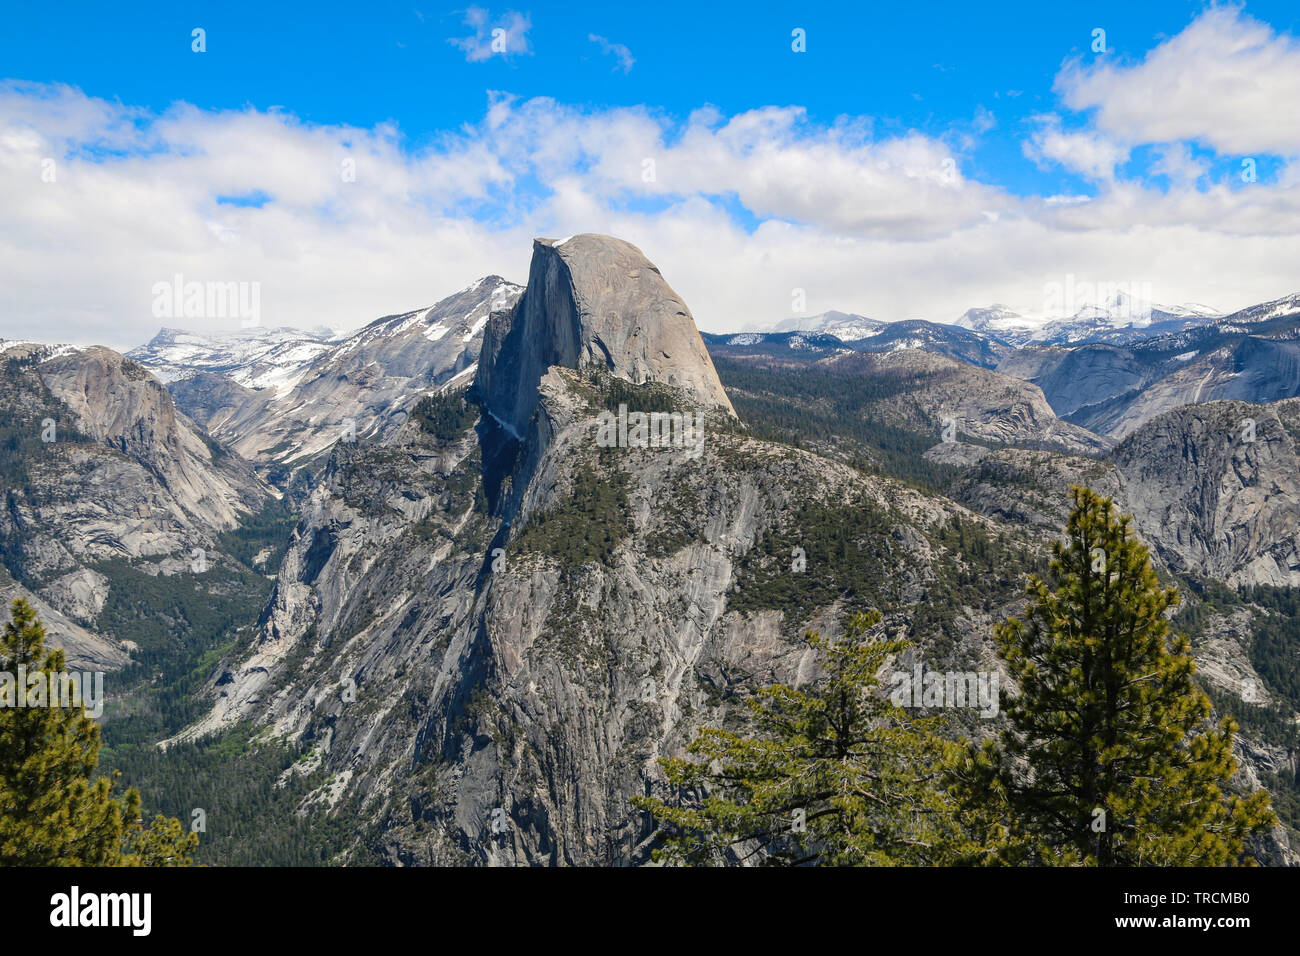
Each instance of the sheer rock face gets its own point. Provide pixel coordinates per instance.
(1216, 488)
(119, 476)
(119, 404)
(83, 649)
(457, 671)
(1209, 497)
(447, 683)
(592, 299)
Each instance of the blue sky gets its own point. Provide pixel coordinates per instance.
(928, 66)
(1030, 118)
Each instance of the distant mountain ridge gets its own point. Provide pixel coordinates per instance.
(1120, 319)
(361, 386)
(1108, 369)
(1113, 389)
(845, 326)
(859, 335)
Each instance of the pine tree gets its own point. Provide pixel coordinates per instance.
(1109, 758)
(53, 812)
(831, 775)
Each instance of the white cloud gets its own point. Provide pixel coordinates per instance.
(984, 120)
(507, 35)
(1227, 81)
(888, 226)
(617, 50)
(1087, 153)
(1175, 160)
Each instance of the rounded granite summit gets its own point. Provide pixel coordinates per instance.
(594, 299)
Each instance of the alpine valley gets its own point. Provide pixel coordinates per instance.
(381, 596)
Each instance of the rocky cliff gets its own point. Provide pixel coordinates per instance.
(488, 626)
(449, 669)
(592, 299)
(117, 404)
(100, 468)
(1216, 487)
(488, 638)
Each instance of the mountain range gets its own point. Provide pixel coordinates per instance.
(397, 585)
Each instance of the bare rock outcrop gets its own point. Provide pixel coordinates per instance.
(1216, 488)
(592, 299)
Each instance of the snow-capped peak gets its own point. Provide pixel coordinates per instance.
(845, 326)
(281, 358)
(1287, 305)
(254, 357)
(996, 318)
